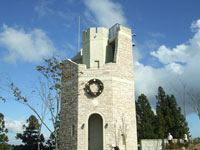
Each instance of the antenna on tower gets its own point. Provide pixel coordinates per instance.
(79, 20)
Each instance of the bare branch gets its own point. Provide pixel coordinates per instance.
(49, 92)
(123, 129)
(195, 98)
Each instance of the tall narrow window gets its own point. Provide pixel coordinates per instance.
(110, 51)
(73, 130)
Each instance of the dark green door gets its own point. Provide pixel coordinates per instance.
(95, 132)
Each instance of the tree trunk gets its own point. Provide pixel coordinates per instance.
(38, 145)
(56, 143)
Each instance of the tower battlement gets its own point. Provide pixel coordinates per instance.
(95, 41)
(100, 45)
(95, 33)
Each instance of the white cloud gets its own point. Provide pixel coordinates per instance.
(183, 53)
(136, 54)
(175, 67)
(25, 46)
(166, 55)
(195, 26)
(180, 65)
(106, 12)
(14, 126)
(147, 79)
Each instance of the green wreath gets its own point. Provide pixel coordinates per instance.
(99, 85)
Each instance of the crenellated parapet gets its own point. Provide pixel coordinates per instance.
(95, 41)
(95, 34)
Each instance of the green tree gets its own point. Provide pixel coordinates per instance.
(169, 116)
(49, 92)
(3, 136)
(145, 118)
(30, 134)
(160, 124)
(51, 141)
(3, 130)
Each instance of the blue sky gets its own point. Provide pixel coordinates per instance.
(166, 54)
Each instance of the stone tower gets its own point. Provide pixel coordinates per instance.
(98, 101)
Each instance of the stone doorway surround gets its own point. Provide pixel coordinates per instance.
(92, 120)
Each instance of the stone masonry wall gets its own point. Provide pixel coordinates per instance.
(156, 144)
(116, 104)
(69, 106)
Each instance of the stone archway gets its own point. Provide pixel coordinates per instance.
(95, 132)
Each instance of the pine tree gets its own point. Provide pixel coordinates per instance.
(169, 116)
(3, 136)
(180, 122)
(145, 119)
(30, 134)
(3, 130)
(160, 124)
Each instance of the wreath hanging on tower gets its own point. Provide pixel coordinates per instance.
(99, 85)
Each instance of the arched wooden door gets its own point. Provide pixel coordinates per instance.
(95, 132)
